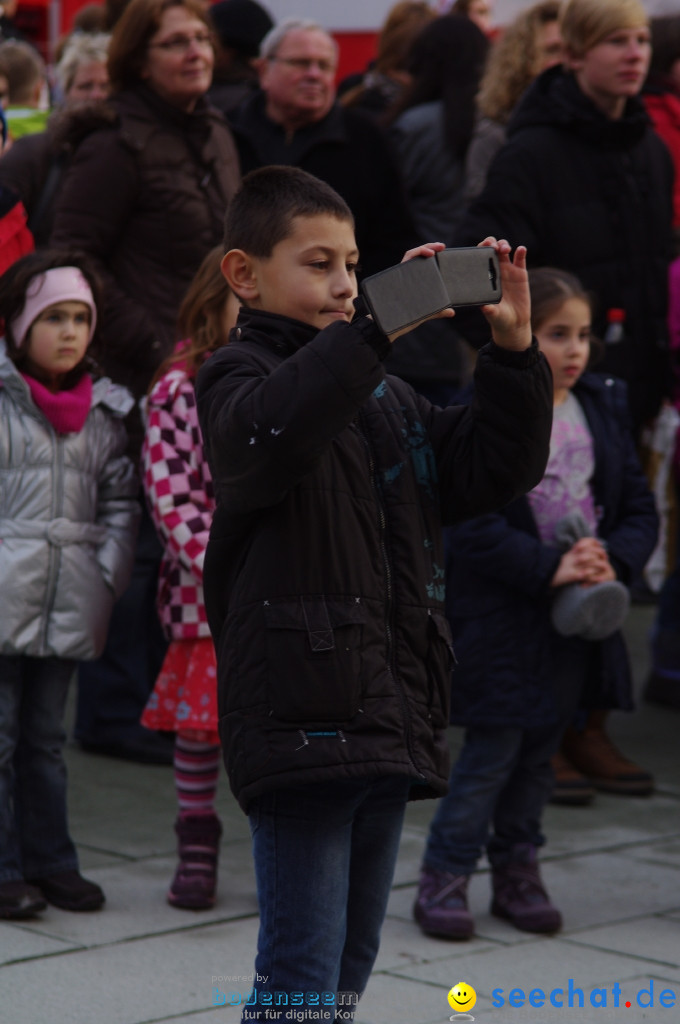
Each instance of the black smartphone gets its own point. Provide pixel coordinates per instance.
(403, 295)
(471, 275)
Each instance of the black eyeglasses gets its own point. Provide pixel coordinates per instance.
(326, 67)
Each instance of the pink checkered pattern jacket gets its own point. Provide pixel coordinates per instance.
(179, 493)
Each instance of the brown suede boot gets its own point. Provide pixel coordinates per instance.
(592, 752)
(570, 787)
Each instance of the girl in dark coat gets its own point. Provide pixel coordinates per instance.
(518, 681)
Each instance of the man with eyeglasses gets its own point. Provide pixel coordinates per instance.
(294, 119)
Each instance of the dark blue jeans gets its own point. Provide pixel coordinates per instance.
(113, 690)
(502, 780)
(34, 837)
(324, 862)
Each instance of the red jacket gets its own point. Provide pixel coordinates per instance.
(15, 238)
(664, 110)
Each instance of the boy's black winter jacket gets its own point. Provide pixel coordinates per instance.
(593, 196)
(324, 575)
(499, 596)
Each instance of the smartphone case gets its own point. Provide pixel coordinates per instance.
(471, 275)
(405, 294)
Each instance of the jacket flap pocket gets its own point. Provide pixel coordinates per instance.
(317, 616)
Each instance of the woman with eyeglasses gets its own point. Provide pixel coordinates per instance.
(145, 198)
(146, 194)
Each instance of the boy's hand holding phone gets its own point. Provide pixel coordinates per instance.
(510, 319)
(440, 278)
(428, 250)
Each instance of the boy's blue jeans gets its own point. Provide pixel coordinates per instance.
(34, 837)
(324, 862)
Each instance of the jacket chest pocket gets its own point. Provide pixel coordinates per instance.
(314, 658)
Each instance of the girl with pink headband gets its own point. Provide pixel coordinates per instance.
(68, 518)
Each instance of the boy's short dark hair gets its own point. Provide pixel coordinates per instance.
(260, 214)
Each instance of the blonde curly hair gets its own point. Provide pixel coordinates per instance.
(512, 63)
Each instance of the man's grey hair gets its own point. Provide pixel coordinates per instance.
(276, 35)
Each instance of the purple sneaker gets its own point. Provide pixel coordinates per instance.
(519, 895)
(441, 905)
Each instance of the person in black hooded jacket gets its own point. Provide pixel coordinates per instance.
(585, 183)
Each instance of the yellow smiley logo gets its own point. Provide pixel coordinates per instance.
(462, 996)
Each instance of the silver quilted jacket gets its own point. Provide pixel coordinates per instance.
(68, 522)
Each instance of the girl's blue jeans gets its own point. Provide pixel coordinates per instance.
(324, 861)
(503, 779)
(34, 838)
(498, 789)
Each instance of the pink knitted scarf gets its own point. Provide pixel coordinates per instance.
(66, 410)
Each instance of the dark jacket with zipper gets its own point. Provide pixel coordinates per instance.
(498, 579)
(324, 571)
(145, 198)
(593, 196)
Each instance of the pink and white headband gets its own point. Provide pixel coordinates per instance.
(61, 284)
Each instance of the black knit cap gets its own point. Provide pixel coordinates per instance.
(241, 24)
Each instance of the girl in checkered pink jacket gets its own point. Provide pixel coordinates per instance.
(179, 492)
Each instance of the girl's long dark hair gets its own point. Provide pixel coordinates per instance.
(447, 61)
(201, 317)
(13, 287)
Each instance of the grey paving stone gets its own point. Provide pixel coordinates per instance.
(611, 821)
(545, 963)
(651, 938)
(20, 943)
(404, 944)
(661, 852)
(410, 855)
(136, 906)
(91, 858)
(128, 982)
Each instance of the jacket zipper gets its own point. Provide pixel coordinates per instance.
(57, 508)
(389, 591)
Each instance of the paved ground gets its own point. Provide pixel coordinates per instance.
(613, 868)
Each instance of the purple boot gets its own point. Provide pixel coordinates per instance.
(519, 895)
(441, 905)
(195, 881)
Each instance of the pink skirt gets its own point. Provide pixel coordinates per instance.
(184, 698)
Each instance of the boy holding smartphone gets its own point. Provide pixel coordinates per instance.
(324, 571)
